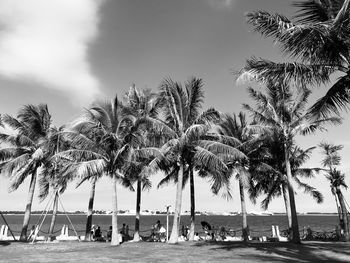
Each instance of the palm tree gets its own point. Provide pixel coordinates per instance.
(187, 126)
(285, 113)
(142, 105)
(51, 175)
(318, 41)
(136, 171)
(236, 132)
(336, 179)
(271, 181)
(80, 127)
(25, 151)
(105, 152)
(219, 179)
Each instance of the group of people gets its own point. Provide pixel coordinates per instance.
(97, 234)
(158, 233)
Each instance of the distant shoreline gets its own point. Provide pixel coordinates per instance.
(83, 214)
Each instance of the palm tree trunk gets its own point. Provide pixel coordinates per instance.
(88, 236)
(138, 208)
(193, 206)
(245, 230)
(115, 234)
(54, 214)
(295, 235)
(175, 230)
(336, 202)
(345, 223)
(28, 210)
(287, 205)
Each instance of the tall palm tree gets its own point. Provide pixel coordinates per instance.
(143, 106)
(318, 41)
(284, 112)
(336, 179)
(105, 152)
(25, 151)
(236, 132)
(181, 113)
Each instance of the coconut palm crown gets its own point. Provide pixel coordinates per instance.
(318, 42)
(25, 150)
(181, 112)
(284, 112)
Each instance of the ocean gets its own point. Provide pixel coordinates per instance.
(259, 225)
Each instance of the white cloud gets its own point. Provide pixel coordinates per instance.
(221, 4)
(47, 41)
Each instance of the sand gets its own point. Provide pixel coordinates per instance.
(182, 252)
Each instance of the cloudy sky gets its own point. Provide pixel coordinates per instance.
(68, 53)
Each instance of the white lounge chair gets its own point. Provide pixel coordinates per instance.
(65, 235)
(276, 234)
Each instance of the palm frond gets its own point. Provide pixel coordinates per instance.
(204, 157)
(311, 11)
(262, 70)
(17, 179)
(195, 94)
(310, 190)
(267, 24)
(90, 168)
(336, 98)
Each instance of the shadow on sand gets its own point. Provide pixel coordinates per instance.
(4, 243)
(286, 252)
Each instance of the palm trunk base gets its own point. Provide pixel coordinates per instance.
(23, 237)
(137, 237)
(191, 234)
(245, 233)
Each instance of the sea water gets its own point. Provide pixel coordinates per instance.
(258, 225)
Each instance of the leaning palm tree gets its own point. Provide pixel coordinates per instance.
(24, 151)
(318, 41)
(284, 112)
(336, 179)
(181, 113)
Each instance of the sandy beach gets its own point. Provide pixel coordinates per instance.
(183, 252)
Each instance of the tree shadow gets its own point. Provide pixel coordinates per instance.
(4, 243)
(286, 252)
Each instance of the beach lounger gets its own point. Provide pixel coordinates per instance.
(276, 236)
(65, 235)
(4, 233)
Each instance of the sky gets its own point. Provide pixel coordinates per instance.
(68, 53)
